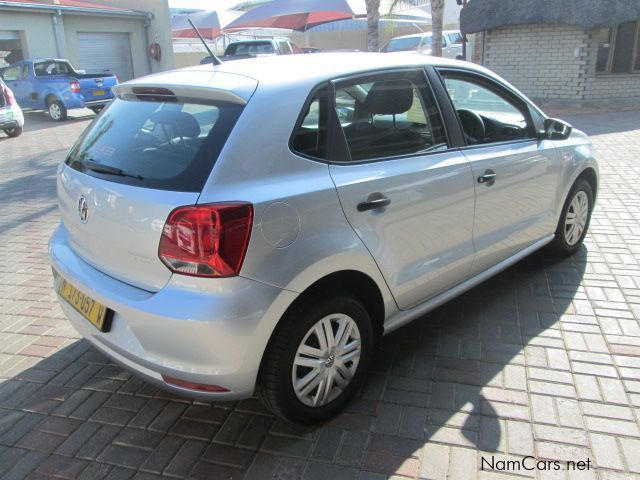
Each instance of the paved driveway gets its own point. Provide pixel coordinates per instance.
(540, 364)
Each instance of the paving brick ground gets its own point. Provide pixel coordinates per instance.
(540, 364)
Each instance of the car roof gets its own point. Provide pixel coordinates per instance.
(284, 70)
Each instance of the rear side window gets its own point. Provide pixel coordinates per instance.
(164, 145)
(310, 138)
(389, 115)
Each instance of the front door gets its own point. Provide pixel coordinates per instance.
(407, 195)
(516, 175)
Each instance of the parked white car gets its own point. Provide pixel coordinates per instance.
(11, 117)
(256, 226)
(423, 42)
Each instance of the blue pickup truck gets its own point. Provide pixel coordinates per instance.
(55, 86)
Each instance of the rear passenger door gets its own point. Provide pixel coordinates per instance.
(407, 195)
(516, 174)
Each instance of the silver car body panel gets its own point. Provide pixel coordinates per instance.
(422, 242)
(215, 331)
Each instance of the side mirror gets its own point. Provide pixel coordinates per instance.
(555, 129)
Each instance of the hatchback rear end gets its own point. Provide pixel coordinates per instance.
(144, 272)
(11, 117)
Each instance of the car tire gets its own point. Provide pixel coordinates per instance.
(97, 110)
(574, 219)
(299, 333)
(57, 111)
(13, 132)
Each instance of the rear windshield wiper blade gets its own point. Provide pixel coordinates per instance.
(107, 169)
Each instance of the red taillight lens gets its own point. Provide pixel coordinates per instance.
(8, 93)
(207, 240)
(75, 86)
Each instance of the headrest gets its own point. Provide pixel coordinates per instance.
(181, 123)
(389, 98)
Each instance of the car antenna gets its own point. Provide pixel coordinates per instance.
(215, 60)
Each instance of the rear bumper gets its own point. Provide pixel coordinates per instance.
(212, 335)
(15, 112)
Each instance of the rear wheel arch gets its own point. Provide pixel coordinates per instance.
(353, 282)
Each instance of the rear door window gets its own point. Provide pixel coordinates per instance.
(389, 115)
(165, 145)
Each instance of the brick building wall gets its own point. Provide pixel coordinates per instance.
(554, 63)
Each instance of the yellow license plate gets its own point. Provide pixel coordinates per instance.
(97, 93)
(93, 311)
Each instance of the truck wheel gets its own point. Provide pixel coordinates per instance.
(57, 111)
(317, 360)
(13, 132)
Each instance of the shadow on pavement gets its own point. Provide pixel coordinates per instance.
(431, 382)
(36, 120)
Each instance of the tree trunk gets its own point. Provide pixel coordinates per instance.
(437, 15)
(373, 21)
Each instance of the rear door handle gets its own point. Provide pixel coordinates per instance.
(488, 178)
(374, 202)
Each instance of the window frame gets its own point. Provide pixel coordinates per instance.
(339, 148)
(635, 52)
(533, 115)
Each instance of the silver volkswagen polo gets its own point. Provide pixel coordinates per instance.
(256, 226)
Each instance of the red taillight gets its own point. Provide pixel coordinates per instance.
(75, 86)
(200, 387)
(207, 240)
(8, 93)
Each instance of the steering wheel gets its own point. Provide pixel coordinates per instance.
(472, 125)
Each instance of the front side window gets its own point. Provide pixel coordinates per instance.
(455, 38)
(619, 49)
(167, 145)
(388, 116)
(486, 112)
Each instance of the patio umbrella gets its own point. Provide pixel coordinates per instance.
(298, 14)
(209, 23)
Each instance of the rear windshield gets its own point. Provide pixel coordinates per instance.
(155, 144)
(402, 44)
(52, 67)
(250, 48)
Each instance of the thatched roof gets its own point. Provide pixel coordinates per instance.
(480, 15)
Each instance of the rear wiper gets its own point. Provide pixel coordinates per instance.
(107, 169)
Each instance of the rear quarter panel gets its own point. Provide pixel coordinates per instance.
(300, 233)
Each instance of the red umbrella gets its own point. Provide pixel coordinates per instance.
(294, 14)
(210, 24)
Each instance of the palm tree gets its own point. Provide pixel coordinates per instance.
(373, 25)
(437, 18)
(373, 20)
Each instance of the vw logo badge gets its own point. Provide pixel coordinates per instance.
(83, 209)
